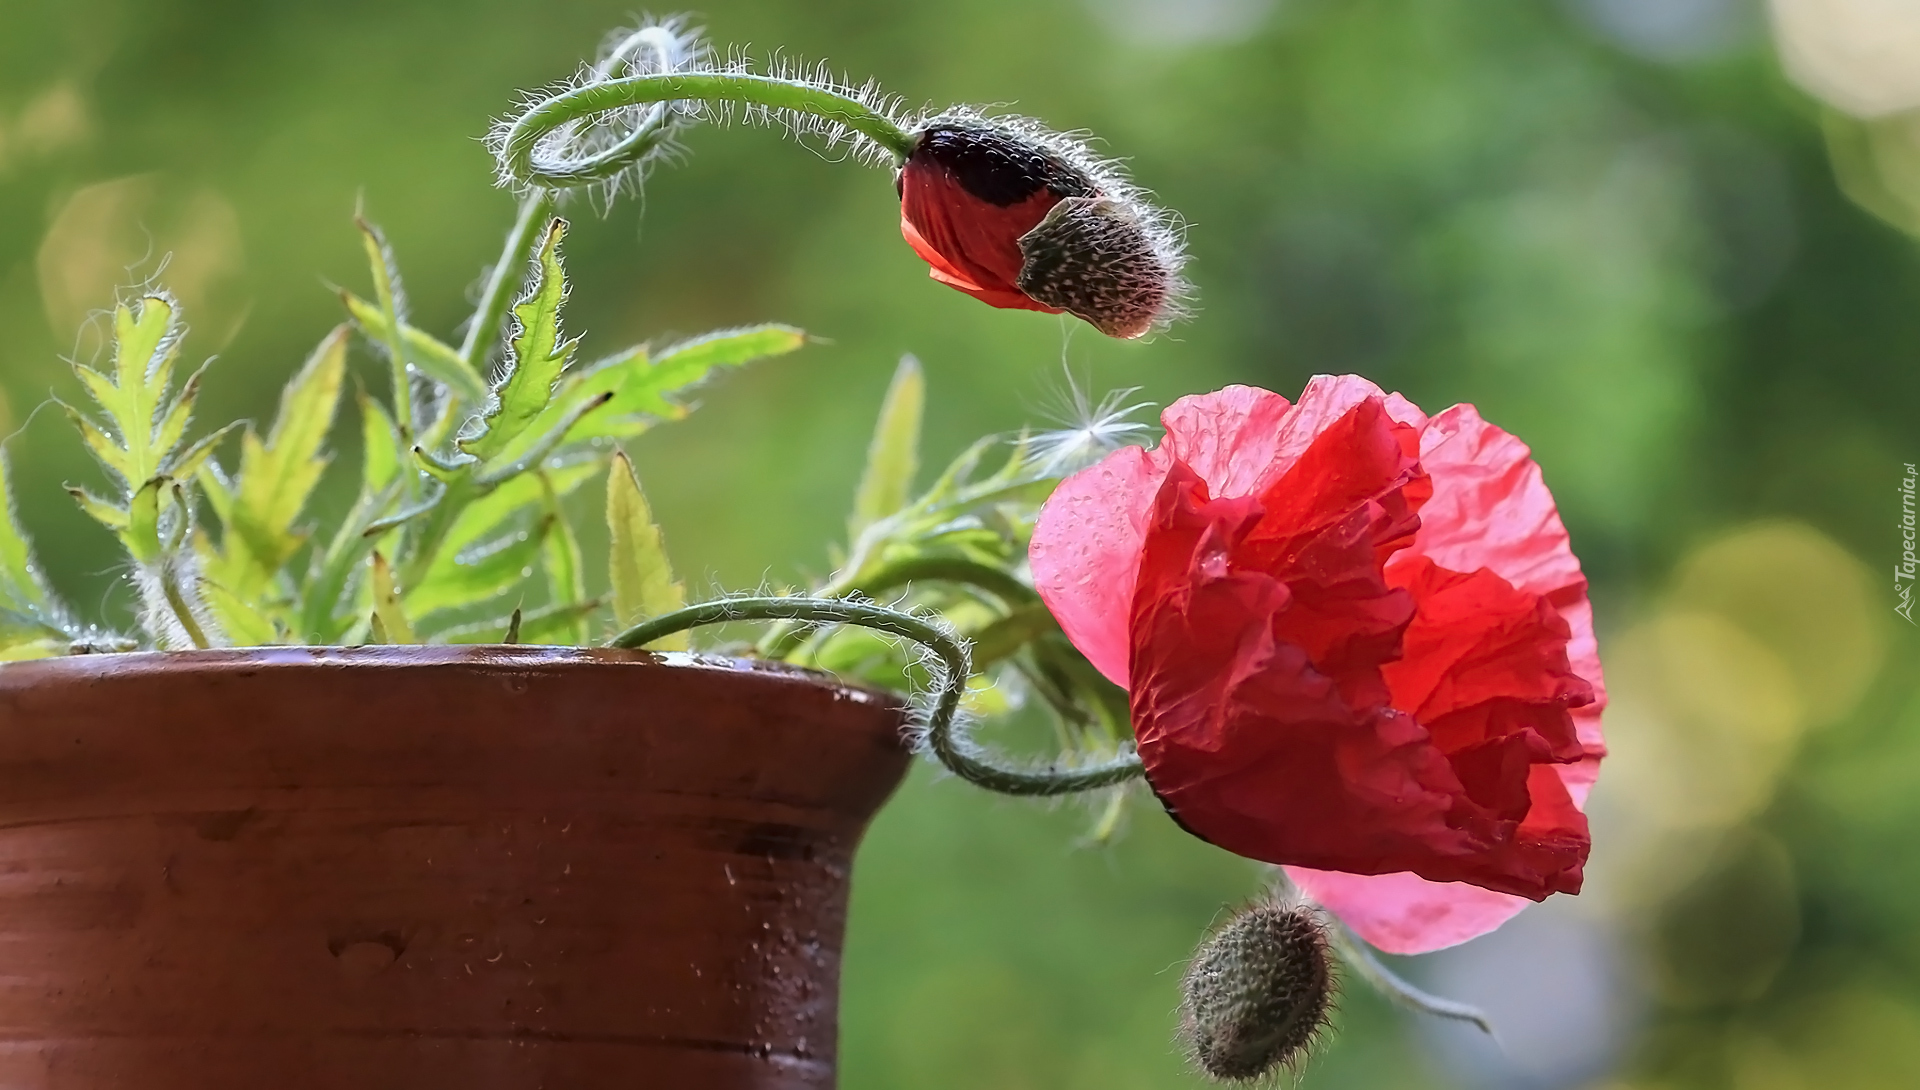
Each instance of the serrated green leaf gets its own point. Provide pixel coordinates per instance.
(561, 562)
(145, 342)
(468, 578)
(433, 357)
(536, 355)
(389, 615)
(893, 456)
(641, 575)
(277, 476)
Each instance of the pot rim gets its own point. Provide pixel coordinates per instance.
(506, 658)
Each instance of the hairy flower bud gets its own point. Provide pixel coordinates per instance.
(1258, 991)
(1024, 218)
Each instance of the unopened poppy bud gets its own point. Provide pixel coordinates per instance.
(1024, 218)
(1091, 257)
(1258, 991)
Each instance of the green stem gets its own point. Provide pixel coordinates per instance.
(182, 612)
(945, 738)
(1359, 957)
(520, 157)
(536, 208)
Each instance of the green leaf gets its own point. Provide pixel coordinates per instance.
(147, 425)
(894, 454)
(244, 624)
(561, 562)
(548, 625)
(392, 300)
(25, 636)
(278, 475)
(389, 616)
(186, 464)
(536, 355)
(33, 624)
(217, 487)
(146, 338)
(24, 589)
(142, 533)
(642, 577)
(176, 415)
(104, 512)
(461, 579)
(682, 365)
(380, 446)
(433, 357)
(540, 449)
(488, 516)
(643, 388)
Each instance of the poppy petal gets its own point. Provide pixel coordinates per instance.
(1086, 550)
(1404, 913)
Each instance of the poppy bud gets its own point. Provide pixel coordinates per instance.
(1022, 218)
(1258, 991)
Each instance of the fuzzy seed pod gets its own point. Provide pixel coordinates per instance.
(1257, 992)
(1024, 218)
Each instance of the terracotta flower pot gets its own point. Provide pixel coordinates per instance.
(420, 868)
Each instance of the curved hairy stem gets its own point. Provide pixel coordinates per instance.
(522, 158)
(785, 639)
(945, 737)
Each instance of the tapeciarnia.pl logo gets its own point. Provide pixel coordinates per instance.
(1903, 569)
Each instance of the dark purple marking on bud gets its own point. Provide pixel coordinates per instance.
(1258, 991)
(1093, 258)
(997, 166)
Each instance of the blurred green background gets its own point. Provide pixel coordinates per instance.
(1623, 228)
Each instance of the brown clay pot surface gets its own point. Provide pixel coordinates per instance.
(388, 868)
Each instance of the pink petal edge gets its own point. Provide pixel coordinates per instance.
(1404, 913)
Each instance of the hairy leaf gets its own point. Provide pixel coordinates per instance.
(536, 355)
(642, 577)
(146, 340)
(894, 454)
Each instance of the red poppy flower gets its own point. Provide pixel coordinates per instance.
(1355, 641)
(1023, 219)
